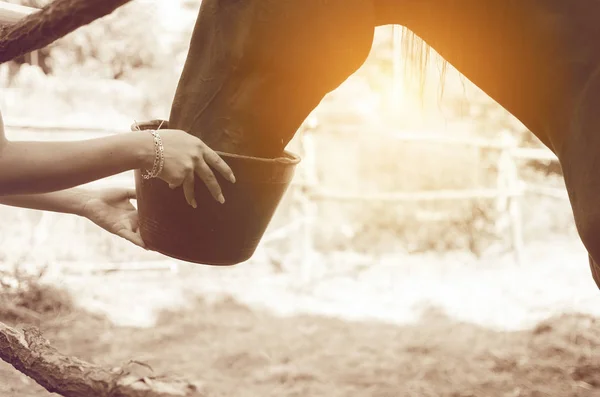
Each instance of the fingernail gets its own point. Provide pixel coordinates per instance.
(232, 178)
(194, 203)
(221, 199)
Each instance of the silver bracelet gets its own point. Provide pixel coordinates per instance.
(159, 158)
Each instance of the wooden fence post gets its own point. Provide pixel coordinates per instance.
(310, 183)
(509, 202)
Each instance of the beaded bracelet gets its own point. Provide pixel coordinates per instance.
(159, 158)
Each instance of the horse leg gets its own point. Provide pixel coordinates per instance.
(580, 160)
(595, 271)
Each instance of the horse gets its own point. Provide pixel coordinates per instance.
(256, 69)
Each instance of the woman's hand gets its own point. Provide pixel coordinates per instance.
(112, 210)
(185, 156)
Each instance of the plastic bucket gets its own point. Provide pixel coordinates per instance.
(213, 233)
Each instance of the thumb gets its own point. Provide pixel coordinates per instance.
(132, 237)
(130, 193)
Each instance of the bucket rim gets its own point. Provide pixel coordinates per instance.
(288, 157)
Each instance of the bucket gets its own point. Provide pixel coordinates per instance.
(213, 233)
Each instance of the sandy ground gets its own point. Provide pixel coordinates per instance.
(491, 292)
(391, 326)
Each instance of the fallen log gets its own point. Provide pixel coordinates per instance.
(57, 19)
(30, 353)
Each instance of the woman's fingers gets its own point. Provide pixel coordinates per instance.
(214, 160)
(132, 236)
(206, 174)
(205, 161)
(188, 190)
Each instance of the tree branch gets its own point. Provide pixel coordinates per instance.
(29, 352)
(52, 22)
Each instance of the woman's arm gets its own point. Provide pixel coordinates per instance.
(70, 201)
(110, 209)
(41, 167)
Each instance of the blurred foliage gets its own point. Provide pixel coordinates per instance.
(111, 47)
(24, 297)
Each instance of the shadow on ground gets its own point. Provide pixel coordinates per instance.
(240, 352)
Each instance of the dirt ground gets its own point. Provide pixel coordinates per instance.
(236, 351)
(238, 346)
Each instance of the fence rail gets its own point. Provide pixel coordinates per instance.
(434, 195)
(507, 193)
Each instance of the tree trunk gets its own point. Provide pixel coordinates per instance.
(52, 22)
(29, 352)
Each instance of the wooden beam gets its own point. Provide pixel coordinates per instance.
(12, 13)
